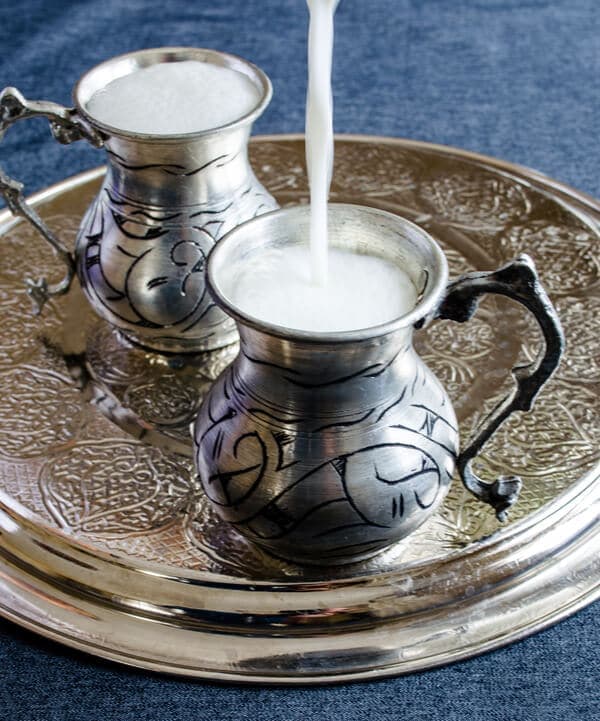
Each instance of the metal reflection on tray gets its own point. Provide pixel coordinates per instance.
(107, 543)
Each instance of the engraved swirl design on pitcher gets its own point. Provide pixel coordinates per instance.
(394, 468)
(143, 267)
(554, 445)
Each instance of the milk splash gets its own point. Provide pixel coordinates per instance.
(319, 130)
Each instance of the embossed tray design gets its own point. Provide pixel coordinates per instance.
(107, 544)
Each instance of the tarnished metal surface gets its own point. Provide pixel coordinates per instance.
(104, 532)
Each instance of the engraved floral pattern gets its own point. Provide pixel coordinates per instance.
(282, 168)
(114, 487)
(571, 264)
(62, 459)
(372, 170)
(559, 442)
(155, 391)
(582, 362)
(475, 200)
(39, 413)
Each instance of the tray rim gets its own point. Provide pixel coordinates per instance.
(585, 483)
(401, 668)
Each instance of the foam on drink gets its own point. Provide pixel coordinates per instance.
(362, 291)
(174, 98)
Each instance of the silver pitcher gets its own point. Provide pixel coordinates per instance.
(142, 245)
(325, 448)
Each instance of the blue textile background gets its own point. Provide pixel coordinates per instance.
(518, 79)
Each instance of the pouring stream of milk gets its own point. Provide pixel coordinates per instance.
(293, 286)
(319, 130)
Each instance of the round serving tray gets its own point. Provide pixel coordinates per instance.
(107, 544)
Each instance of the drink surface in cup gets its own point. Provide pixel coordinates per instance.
(174, 98)
(361, 291)
(315, 287)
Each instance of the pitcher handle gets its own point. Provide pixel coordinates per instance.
(517, 280)
(66, 127)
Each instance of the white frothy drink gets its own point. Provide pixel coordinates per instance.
(173, 98)
(319, 129)
(314, 287)
(362, 291)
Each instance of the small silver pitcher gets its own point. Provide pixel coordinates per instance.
(142, 245)
(324, 448)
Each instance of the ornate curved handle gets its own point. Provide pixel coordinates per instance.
(66, 127)
(517, 280)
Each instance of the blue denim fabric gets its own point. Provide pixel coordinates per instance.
(518, 79)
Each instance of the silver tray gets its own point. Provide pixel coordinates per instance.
(107, 545)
